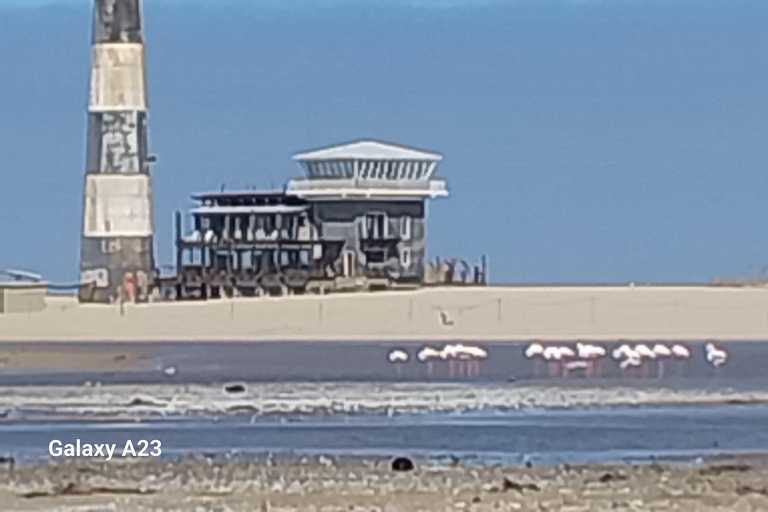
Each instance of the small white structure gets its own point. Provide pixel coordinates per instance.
(22, 297)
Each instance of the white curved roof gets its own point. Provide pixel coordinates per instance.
(368, 150)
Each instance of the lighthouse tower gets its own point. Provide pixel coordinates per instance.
(116, 251)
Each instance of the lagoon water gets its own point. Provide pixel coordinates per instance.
(340, 399)
(682, 433)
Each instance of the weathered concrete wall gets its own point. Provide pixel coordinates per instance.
(682, 313)
(117, 248)
(117, 21)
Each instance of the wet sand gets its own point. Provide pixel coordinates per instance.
(324, 484)
(73, 358)
(489, 313)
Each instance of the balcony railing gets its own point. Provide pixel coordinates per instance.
(346, 186)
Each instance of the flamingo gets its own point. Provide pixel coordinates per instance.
(475, 355)
(567, 355)
(628, 357)
(662, 353)
(428, 355)
(555, 355)
(397, 357)
(681, 353)
(534, 350)
(635, 356)
(459, 352)
(552, 356)
(590, 353)
(587, 351)
(448, 353)
(717, 357)
(622, 352)
(633, 361)
(645, 351)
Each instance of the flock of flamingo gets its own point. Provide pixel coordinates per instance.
(632, 358)
(463, 360)
(638, 359)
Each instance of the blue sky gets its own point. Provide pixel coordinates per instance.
(584, 140)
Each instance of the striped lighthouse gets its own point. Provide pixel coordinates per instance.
(116, 251)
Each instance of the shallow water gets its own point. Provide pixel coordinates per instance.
(542, 436)
(345, 399)
(203, 362)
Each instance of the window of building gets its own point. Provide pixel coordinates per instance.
(406, 227)
(405, 257)
(391, 170)
(375, 226)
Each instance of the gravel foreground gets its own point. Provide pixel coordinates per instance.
(323, 484)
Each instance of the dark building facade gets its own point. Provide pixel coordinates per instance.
(357, 218)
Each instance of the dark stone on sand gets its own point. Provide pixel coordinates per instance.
(511, 485)
(748, 489)
(402, 464)
(139, 402)
(611, 477)
(724, 468)
(234, 388)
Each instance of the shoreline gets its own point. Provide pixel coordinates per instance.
(170, 401)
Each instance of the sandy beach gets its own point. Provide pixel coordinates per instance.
(489, 313)
(323, 484)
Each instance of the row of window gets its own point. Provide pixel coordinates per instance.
(376, 226)
(370, 169)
